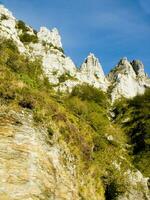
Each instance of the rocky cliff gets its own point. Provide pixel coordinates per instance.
(56, 145)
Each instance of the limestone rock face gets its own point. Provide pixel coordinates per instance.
(92, 65)
(54, 62)
(8, 28)
(91, 72)
(35, 166)
(138, 67)
(49, 36)
(31, 168)
(55, 65)
(135, 180)
(127, 80)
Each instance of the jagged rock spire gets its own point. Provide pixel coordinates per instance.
(50, 36)
(125, 66)
(127, 79)
(92, 65)
(91, 72)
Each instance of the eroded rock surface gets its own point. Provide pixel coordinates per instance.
(31, 168)
(127, 80)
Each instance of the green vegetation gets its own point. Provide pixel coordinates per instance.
(90, 106)
(20, 78)
(51, 46)
(65, 77)
(90, 93)
(4, 17)
(27, 38)
(21, 25)
(134, 116)
(50, 132)
(82, 120)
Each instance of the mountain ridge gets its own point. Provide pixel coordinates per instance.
(46, 44)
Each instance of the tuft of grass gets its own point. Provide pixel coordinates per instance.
(51, 46)
(64, 77)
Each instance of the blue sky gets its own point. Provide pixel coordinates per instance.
(111, 29)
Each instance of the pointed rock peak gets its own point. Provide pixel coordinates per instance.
(92, 62)
(55, 30)
(124, 66)
(92, 65)
(124, 61)
(138, 67)
(91, 57)
(5, 13)
(50, 36)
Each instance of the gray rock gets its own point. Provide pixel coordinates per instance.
(138, 67)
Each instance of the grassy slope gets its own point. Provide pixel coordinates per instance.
(81, 118)
(134, 116)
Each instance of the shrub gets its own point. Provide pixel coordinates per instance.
(50, 131)
(137, 127)
(8, 46)
(64, 77)
(27, 38)
(21, 25)
(50, 45)
(4, 17)
(87, 92)
(77, 106)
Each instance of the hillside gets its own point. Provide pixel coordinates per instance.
(68, 133)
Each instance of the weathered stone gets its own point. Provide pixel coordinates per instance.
(91, 72)
(124, 82)
(49, 36)
(8, 28)
(138, 67)
(29, 166)
(137, 187)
